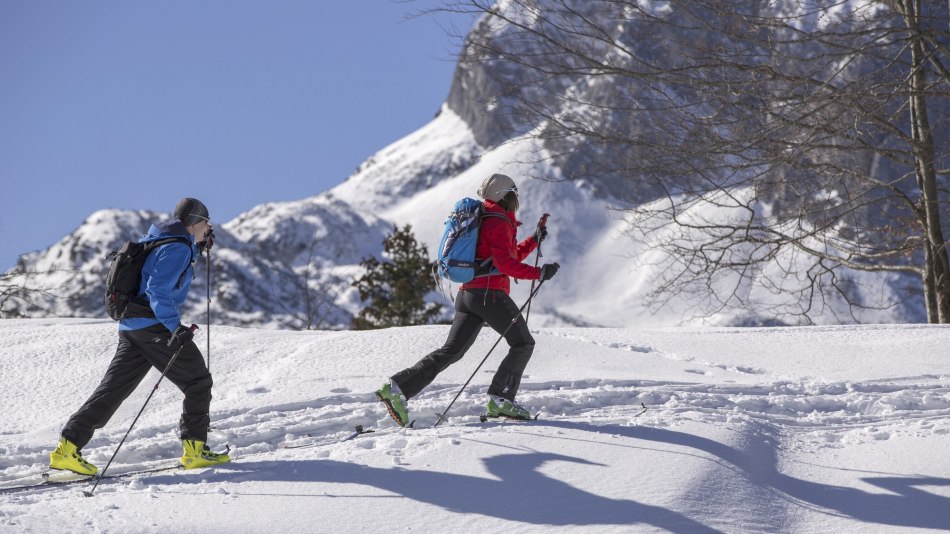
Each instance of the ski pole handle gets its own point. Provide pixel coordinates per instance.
(540, 232)
(541, 224)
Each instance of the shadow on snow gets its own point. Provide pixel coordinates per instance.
(520, 492)
(905, 504)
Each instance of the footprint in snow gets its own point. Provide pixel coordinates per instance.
(631, 348)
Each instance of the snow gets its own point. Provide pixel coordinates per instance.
(800, 430)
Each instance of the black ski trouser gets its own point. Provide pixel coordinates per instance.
(473, 308)
(137, 353)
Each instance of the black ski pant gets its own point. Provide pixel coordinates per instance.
(139, 351)
(473, 308)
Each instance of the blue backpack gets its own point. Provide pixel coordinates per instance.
(456, 258)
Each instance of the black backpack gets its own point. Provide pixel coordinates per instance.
(125, 274)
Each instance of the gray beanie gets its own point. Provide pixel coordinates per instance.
(496, 186)
(191, 211)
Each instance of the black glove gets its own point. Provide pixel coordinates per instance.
(207, 242)
(548, 270)
(540, 233)
(181, 336)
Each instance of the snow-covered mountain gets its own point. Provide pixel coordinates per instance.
(265, 257)
(262, 263)
(290, 264)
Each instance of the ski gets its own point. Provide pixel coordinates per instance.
(484, 418)
(50, 480)
(359, 430)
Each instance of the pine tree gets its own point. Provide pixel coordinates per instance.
(396, 289)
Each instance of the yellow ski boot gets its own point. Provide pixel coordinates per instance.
(67, 457)
(197, 454)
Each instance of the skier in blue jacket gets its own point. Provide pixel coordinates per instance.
(149, 336)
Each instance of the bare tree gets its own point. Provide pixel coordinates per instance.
(18, 297)
(313, 310)
(785, 145)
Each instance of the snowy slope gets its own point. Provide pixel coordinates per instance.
(801, 430)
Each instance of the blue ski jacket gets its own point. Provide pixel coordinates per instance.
(166, 276)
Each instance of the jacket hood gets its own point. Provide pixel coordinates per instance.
(169, 228)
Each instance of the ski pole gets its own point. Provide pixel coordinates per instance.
(209, 242)
(541, 224)
(154, 389)
(442, 416)
(208, 317)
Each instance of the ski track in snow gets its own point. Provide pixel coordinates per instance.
(760, 414)
(807, 413)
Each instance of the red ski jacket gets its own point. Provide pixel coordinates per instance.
(496, 240)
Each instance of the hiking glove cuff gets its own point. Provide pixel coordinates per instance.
(548, 270)
(181, 336)
(540, 234)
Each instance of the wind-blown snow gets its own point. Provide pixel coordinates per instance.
(803, 430)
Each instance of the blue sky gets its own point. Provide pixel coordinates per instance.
(135, 104)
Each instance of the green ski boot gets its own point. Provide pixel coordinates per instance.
(395, 403)
(502, 407)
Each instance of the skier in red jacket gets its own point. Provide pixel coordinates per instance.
(483, 300)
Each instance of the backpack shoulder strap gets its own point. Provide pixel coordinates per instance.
(487, 214)
(166, 240)
(151, 245)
